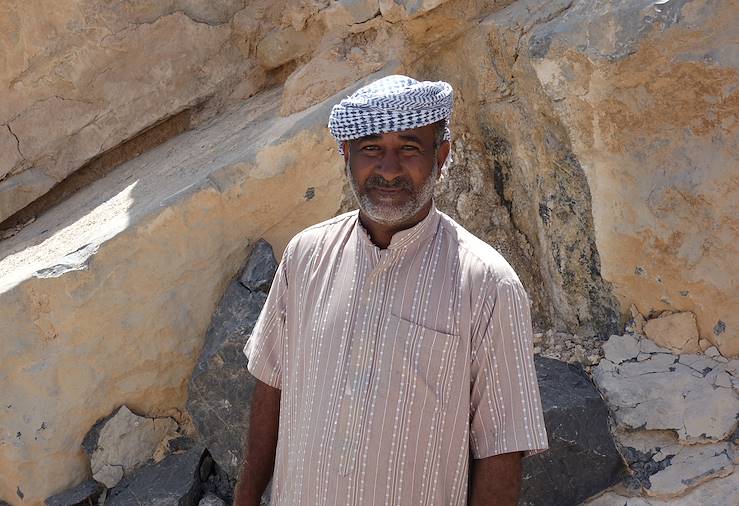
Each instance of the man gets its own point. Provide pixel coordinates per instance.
(393, 343)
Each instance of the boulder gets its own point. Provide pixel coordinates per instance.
(582, 459)
(690, 394)
(220, 387)
(123, 441)
(82, 494)
(677, 332)
(176, 480)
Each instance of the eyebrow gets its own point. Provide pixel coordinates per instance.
(405, 137)
(411, 138)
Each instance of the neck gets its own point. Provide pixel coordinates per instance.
(381, 234)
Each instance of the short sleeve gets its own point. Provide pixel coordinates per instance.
(505, 407)
(265, 347)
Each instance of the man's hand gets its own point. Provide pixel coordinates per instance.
(259, 457)
(495, 481)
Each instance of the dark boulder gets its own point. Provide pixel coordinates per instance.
(84, 493)
(175, 481)
(582, 459)
(221, 387)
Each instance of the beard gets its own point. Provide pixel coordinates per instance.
(388, 213)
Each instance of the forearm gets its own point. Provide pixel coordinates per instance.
(259, 457)
(495, 481)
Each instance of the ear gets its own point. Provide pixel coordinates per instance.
(442, 153)
(346, 151)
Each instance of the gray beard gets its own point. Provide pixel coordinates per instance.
(388, 214)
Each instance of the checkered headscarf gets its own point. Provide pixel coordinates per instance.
(391, 104)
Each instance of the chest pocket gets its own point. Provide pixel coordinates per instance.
(423, 363)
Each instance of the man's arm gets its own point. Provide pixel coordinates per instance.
(259, 457)
(495, 481)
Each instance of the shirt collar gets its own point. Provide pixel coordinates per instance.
(421, 230)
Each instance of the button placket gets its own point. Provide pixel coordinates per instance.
(357, 388)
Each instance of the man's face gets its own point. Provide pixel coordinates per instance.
(393, 174)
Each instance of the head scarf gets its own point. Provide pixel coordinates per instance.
(391, 104)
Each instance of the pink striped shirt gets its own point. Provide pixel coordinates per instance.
(394, 364)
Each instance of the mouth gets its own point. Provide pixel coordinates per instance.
(386, 192)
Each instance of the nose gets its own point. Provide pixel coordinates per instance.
(389, 167)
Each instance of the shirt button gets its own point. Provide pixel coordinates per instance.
(347, 390)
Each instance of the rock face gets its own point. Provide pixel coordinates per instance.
(582, 459)
(104, 314)
(79, 79)
(220, 387)
(122, 442)
(644, 90)
(649, 387)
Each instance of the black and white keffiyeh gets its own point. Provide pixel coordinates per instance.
(391, 104)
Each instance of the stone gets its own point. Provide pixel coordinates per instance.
(616, 73)
(663, 393)
(397, 10)
(582, 459)
(260, 268)
(220, 387)
(88, 490)
(174, 480)
(120, 443)
(123, 305)
(351, 12)
(621, 348)
(211, 500)
(282, 46)
(637, 319)
(677, 332)
(691, 466)
(712, 351)
(704, 344)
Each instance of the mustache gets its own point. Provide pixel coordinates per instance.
(377, 181)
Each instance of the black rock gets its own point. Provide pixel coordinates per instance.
(260, 268)
(582, 459)
(79, 495)
(173, 481)
(221, 387)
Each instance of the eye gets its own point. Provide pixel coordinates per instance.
(409, 147)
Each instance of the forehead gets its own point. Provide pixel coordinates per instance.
(425, 133)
